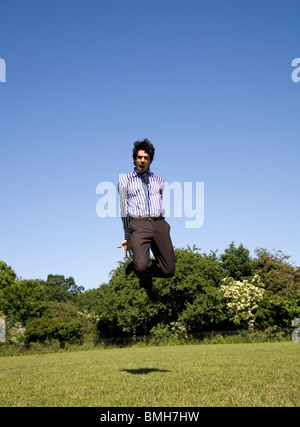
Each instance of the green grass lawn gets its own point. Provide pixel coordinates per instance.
(264, 374)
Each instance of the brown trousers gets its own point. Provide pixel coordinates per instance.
(151, 234)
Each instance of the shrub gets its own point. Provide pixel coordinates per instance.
(63, 324)
(242, 299)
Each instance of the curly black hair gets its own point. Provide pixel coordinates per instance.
(143, 145)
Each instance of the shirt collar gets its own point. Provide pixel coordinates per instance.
(141, 174)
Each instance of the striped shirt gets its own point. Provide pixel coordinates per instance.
(140, 197)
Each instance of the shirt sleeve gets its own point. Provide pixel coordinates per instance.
(122, 188)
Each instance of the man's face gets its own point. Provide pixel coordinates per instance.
(142, 161)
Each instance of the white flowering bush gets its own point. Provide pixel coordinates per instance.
(178, 329)
(16, 334)
(242, 298)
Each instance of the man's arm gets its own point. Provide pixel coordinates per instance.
(122, 189)
(125, 220)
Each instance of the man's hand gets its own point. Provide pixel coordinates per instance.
(127, 247)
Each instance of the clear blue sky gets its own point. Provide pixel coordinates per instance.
(208, 82)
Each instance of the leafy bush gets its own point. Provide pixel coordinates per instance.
(242, 299)
(208, 292)
(62, 324)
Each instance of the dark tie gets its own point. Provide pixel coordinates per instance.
(144, 177)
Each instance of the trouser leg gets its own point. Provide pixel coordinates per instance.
(141, 238)
(163, 251)
(154, 234)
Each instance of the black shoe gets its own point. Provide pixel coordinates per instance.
(152, 294)
(129, 268)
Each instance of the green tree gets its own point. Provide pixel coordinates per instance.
(278, 276)
(277, 311)
(89, 300)
(195, 273)
(193, 297)
(207, 311)
(23, 300)
(237, 262)
(61, 289)
(7, 275)
(123, 307)
(62, 322)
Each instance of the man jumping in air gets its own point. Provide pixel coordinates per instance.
(144, 225)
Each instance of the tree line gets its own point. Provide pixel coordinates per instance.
(208, 292)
